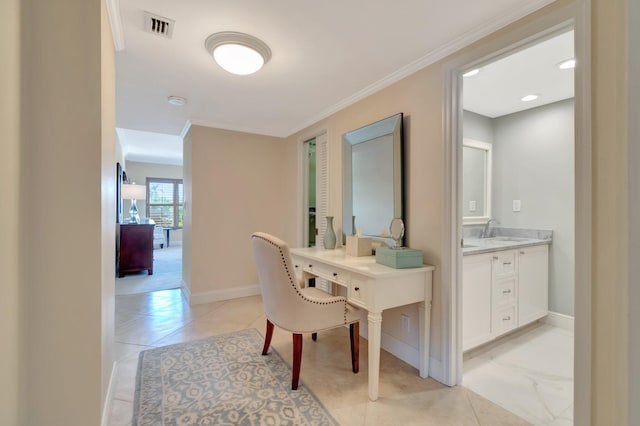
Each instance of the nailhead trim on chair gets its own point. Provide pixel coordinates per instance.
(293, 282)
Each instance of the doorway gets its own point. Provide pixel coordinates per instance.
(518, 224)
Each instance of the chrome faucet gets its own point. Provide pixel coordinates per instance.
(485, 231)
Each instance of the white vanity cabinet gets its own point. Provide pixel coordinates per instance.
(501, 291)
(533, 283)
(476, 300)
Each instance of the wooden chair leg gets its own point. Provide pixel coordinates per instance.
(314, 336)
(267, 337)
(354, 335)
(297, 358)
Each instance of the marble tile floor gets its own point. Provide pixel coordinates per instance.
(163, 317)
(530, 373)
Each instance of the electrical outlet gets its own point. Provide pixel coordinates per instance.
(472, 206)
(406, 323)
(516, 205)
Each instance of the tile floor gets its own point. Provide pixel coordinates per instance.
(160, 318)
(530, 373)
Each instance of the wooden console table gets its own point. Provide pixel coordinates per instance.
(134, 248)
(373, 287)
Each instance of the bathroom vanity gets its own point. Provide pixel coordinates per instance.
(505, 285)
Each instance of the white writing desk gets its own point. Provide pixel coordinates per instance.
(373, 287)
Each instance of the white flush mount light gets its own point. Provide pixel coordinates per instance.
(177, 100)
(471, 73)
(238, 53)
(567, 64)
(529, 98)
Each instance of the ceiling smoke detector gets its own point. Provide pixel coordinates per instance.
(159, 25)
(177, 100)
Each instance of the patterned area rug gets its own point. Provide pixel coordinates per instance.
(221, 380)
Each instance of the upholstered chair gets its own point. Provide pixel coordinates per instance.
(294, 308)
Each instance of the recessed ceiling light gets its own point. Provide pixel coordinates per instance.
(567, 64)
(471, 73)
(529, 98)
(238, 53)
(177, 100)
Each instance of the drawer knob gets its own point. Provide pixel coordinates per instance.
(521, 252)
(506, 318)
(310, 266)
(357, 288)
(506, 291)
(335, 274)
(495, 257)
(506, 263)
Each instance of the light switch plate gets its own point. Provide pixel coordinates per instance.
(472, 206)
(516, 205)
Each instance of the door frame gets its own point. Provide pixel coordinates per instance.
(301, 184)
(576, 15)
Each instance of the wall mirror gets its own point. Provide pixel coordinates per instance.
(372, 177)
(476, 181)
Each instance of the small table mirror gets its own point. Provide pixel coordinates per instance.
(397, 231)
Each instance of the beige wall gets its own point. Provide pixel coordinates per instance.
(11, 326)
(138, 172)
(610, 214)
(64, 263)
(235, 187)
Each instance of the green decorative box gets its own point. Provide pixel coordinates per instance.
(401, 258)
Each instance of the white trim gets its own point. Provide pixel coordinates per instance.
(185, 129)
(563, 321)
(395, 347)
(301, 179)
(575, 14)
(115, 20)
(430, 58)
(111, 388)
(224, 294)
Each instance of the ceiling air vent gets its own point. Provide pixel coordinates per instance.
(159, 25)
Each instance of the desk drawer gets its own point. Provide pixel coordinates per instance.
(357, 293)
(335, 275)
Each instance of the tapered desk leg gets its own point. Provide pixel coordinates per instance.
(375, 330)
(424, 313)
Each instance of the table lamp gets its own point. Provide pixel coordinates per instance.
(133, 192)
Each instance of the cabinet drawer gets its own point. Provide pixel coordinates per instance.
(504, 319)
(504, 292)
(504, 264)
(358, 292)
(332, 274)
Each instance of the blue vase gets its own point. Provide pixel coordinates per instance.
(329, 239)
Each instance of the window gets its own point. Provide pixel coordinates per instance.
(165, 202)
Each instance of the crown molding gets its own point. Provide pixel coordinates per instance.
(185, 129)
(113, 10)
(235, 128)
(432, 57)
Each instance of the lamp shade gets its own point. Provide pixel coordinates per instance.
(134, 192)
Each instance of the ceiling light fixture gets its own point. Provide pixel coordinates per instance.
(567, 64)
(238, 53)
(471, 73)
(177, 100)
(529, 98)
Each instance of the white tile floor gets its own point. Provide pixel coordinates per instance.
(530, 373)
(163, 317)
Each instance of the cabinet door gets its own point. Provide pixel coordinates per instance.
(533, 283)
(476, 300)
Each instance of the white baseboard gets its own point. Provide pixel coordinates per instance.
(559, 320)
(186, 291)
(395, 347)
(106, 409)
(224, 294)
(436, 371)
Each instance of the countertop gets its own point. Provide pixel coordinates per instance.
(487, 245)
